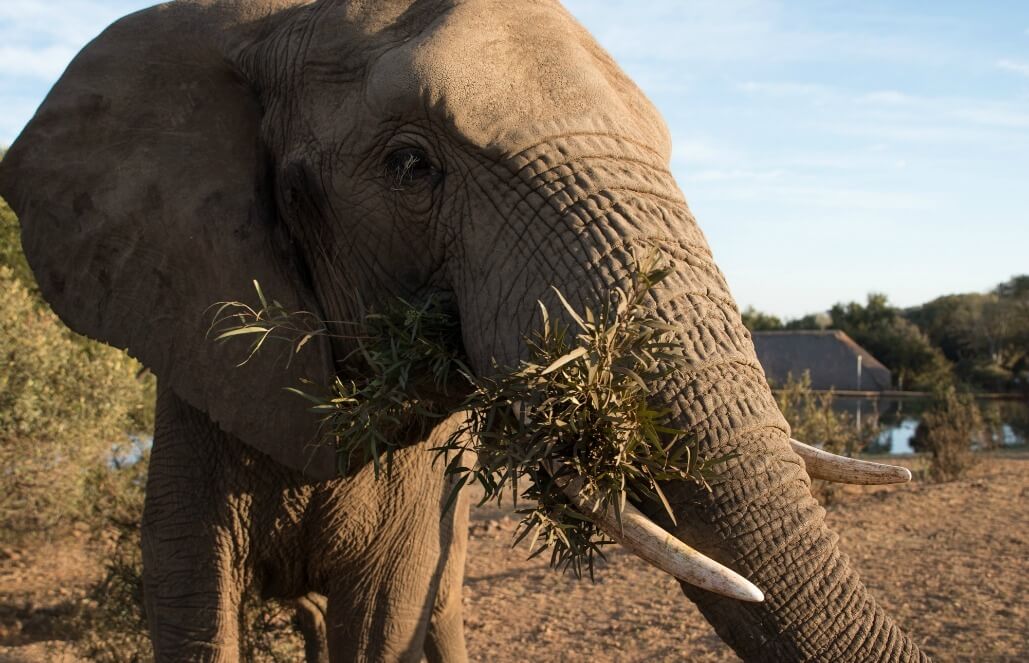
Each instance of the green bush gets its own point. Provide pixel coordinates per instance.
(110, 621)
(11, 255)
(64, 403)
(814, 420)
(947, 431)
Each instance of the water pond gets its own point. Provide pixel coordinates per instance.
(1006, 422)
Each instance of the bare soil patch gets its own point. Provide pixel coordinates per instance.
(949, 561)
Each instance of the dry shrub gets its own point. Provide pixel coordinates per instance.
(110, 620)
(814, 420)
(64, 402)
(947, 431)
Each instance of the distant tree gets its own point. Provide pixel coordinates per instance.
(755, 320)
(1014, 294)
(1013, 307)
(986, 335)
(820, 320)
(1016, 288)
(897, 342)
(951, 323)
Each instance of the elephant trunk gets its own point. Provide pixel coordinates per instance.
(580, 226)
(759, 518)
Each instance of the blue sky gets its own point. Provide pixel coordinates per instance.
(828, 148)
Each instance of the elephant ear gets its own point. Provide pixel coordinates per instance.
(145, 196)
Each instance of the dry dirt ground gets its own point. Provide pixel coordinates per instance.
(948, 561)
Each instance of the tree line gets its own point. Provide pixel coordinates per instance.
(976, 340)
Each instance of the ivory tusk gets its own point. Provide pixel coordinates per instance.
(824, 465)
(647, 540)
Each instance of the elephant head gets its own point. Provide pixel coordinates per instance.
(478, 149)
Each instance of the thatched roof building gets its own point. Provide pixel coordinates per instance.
(831, 357)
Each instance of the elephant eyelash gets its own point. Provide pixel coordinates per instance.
(408, 166)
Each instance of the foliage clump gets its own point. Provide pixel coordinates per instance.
(404, 371)
(110, 619)
(65, 402)
(814, 418)
(986, 335)
(11, 255)
(947, 431)
(576, 412)
(409, 379)
(759, 321)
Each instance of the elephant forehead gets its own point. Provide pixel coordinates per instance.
(503, 73)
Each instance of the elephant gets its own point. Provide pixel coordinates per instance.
(345, 153)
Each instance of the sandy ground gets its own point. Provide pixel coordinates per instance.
(949, 561)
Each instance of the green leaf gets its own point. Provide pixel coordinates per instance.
(570, 310)
(664, 501)
(566, 359)
(239, 331)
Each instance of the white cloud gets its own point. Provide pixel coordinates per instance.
(993, 115)
(886, 97)
(1013, 66)
(39, 39)
(820, 196)
(690, 152)
(893, 115)
(783, 89)
(736, 174)
(41, 63)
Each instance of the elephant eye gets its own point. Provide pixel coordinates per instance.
(409, 166)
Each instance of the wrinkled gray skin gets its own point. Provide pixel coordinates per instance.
(196, 146)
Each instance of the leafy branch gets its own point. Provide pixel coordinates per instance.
(577, 411)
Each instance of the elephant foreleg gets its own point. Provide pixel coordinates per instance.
(191, 539)
(445, 640)
(386, 552)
